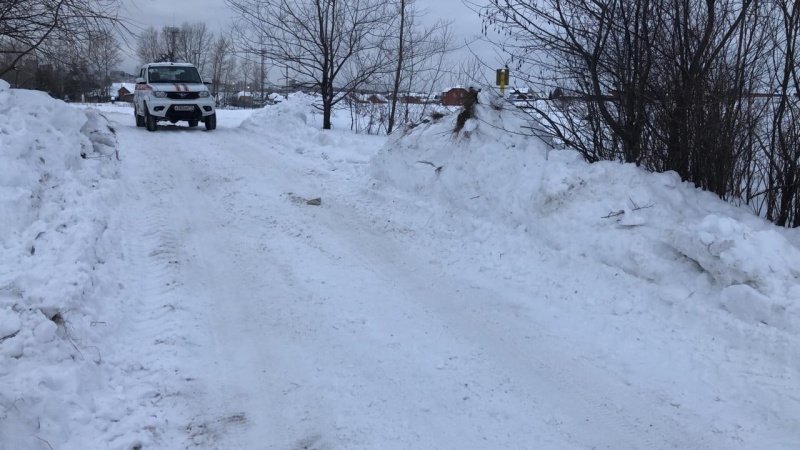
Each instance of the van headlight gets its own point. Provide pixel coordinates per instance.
(159, 94)
(204, 94)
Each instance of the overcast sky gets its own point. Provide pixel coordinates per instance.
(216, 15)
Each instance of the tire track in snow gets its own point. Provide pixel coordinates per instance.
(238, 221)
(154, 336)
(162, 319)
(203, 211)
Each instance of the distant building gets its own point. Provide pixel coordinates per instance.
(454, 97)
(411, 98)
(520, 93)
(369, 98)
(245, 99)
(122, 92)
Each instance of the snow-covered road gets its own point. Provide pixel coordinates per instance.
(342, 326)
(471, 290)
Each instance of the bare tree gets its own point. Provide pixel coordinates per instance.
(666, 84)
(103, 56)
(187, 43)
(418, 50)
(151, 46)
(334, 46)
(26, 26)
(468, 72)
(193, 44)
(699, 98)
(403, 18)
(221, 63)
(780, 178)
(585, 54)
(246, 69)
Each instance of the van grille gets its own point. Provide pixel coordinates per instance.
(183, 95)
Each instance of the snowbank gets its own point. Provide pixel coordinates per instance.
(57, 190)
(292, 118)
(298, 121)
(651, 226)
(758, 270)
(478, 169)
(295, 120)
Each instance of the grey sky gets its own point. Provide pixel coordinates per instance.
(216, 16)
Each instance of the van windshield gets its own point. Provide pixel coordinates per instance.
(172, 74)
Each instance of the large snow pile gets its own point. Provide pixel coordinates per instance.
(651, 226)
(292, 118)
(298, 120)
(57, 189)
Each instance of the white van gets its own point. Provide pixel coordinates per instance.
(173, 92)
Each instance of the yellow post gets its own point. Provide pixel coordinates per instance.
(502, 80)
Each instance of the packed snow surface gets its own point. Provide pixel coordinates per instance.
(471, 290)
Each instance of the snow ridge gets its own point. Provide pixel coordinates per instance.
(57, 257)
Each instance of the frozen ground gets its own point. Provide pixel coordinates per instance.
(477, 290)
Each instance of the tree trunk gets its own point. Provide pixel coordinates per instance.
(327, 103)
(396, 87)
(326, 114)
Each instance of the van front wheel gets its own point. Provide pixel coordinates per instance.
(139, 119)
(149, 120)
(211, 122)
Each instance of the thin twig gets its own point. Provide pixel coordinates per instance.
(622, 211)
(48, 444)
